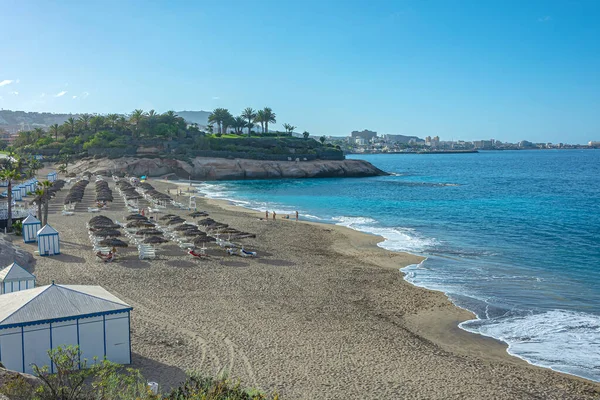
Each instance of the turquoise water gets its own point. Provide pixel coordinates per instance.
(512, 236)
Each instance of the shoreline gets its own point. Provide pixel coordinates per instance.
(450, 328)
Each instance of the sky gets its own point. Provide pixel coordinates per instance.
(507, 70)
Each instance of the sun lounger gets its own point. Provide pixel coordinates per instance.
(246, 253)
(93, 210)
(67, 213)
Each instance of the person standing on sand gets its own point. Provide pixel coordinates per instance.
(274, 214)
(296, 215)
(267, 215)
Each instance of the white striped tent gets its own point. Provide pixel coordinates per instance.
(48, 241)
(31, 226)
(36, 320)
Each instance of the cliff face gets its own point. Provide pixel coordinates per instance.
(227, 169)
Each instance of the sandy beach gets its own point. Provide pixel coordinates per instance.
(321, 313)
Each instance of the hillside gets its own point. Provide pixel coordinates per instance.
(13, 120)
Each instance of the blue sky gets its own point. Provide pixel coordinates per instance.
(458, 69)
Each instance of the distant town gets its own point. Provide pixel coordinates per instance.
(367, 141)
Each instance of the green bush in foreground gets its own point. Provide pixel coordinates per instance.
(104, 380)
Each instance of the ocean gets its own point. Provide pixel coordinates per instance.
(513, 236)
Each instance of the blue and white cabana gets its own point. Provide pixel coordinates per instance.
(15, 278)
(16, 194)
(31, 226)
(23, 190)
(31, 186)
(36, 320)
(48, 241)
(52, 176)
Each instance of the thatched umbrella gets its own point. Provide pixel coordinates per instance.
(107, 233)
(101, 219)
(198, 214)
(132, 217)
(148, 232)
(200, 240)
(139, 223)
(175, 221)
(103, 226)
(155, 240)
(113, 243)
(167, 216)
(185, 227)
(192, 232)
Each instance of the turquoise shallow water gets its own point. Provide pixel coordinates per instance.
(512, 236)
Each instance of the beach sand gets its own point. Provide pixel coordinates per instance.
(322, 313)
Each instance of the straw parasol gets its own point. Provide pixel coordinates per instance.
(113, 243)
(139, 223)
(175, 221)
(148, 232)
(203, 239)
(132, 217)
(168, 216)
(155, 240)
(198, 214)
(107, 233)
(185, 227)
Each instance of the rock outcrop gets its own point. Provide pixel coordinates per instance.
(227, 169)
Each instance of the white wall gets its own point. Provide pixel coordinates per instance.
(10, 349)
(37, 344)
(91, 339)
(117, 338)
(15, 286)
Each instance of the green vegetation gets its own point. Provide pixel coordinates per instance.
(168, 135)
(103, 380)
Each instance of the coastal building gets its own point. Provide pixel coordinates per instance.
(15, 278)
(594, 144)
(366, 134)
(37, 320)
(401, 139)
(48, 241)
(31, 226)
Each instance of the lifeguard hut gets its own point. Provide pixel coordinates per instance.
(48, 241)
(31, 226)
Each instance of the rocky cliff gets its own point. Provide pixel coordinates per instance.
(226, 169)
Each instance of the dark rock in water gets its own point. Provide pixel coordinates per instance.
(202, 168)
(10, 253)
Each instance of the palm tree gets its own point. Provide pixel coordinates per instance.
(62, 168)
(39, 200)
(220, 116)
(171, 116)
(322, 139)
(45, 186)
(96, 122)
(54, 129)
(71, 125)
(260, 118)
(249, 114)
(136, 117)
(289, 128)
(268, 117)
(112, 120)
(239, 123)
(305, 134)
(84, 121)
(9, 175)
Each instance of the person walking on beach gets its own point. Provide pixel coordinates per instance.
(296, 215)
(274, 214)
(267, 215)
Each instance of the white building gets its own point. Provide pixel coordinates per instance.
(48, 241)
(31, 226)
(14, 278)
(36, 320)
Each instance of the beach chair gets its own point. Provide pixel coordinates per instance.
(246, 253)
(93, 210)
(198, 254)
